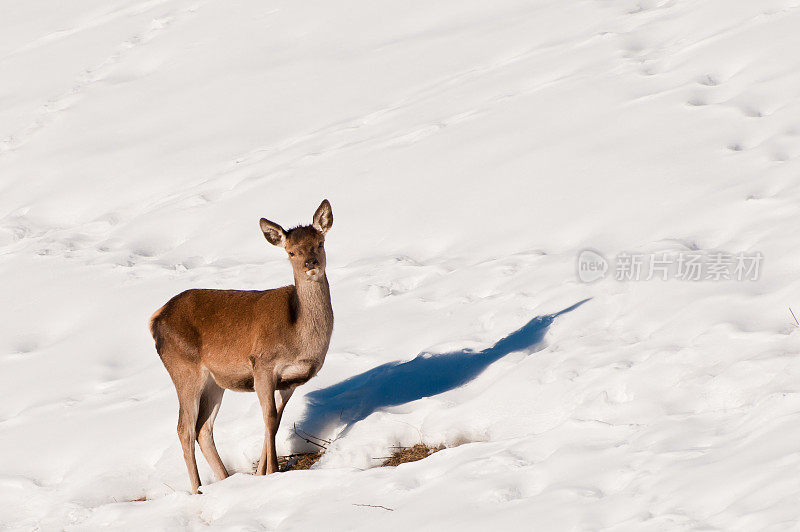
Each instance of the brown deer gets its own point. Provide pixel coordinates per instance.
(267, 341)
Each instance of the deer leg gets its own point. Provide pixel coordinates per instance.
(189, 391)
(264, 385)
(281, 398)
(209, 406)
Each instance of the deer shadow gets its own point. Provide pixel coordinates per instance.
(396, 383)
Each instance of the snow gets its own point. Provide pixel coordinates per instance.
(471, 151)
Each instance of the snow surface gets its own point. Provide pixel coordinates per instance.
(470, 151)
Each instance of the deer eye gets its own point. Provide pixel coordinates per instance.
(291, 253)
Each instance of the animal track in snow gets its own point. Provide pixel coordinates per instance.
(90, 75)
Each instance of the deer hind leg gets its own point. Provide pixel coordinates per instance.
(210, 401)
(189, 383)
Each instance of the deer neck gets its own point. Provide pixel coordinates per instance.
(315, 313)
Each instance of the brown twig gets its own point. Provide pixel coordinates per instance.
(374, 506)
(315, 437)
(305, 439)
(795, 317)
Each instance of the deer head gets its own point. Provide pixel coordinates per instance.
(305, 244)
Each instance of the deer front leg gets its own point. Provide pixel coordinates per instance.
(264, 385)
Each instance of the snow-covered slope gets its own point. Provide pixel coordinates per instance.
(471, 151)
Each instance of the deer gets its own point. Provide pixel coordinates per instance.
(266, 341)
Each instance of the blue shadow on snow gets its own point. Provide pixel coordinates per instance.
(396, 383)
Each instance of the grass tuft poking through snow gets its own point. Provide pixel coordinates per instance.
(417, 452)
(298, 461)
(400, 455)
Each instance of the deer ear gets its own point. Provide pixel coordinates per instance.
(273, 232)
(323, 218)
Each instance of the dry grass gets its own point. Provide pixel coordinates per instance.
(401, 455)
(404, 455)
(295, 462)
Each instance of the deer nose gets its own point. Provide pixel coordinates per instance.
(312, 263)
